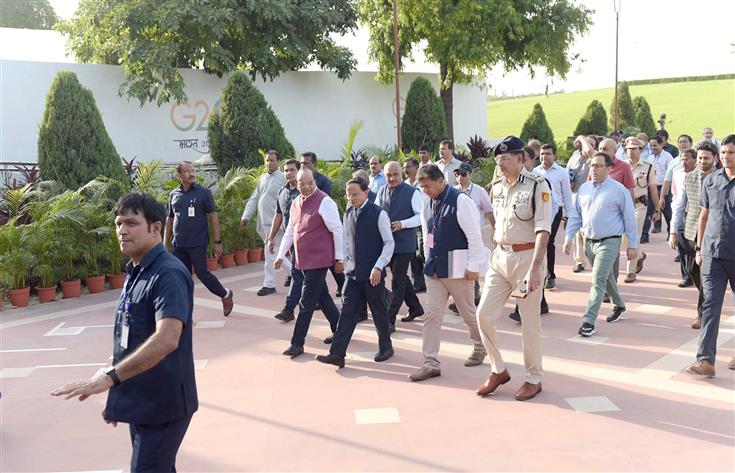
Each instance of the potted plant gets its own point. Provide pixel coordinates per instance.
(116, 275)
(16, 263)
(229, 226)
(71, 285)
(255, 251)
(211, 257)
(95, 279)
(47, 289)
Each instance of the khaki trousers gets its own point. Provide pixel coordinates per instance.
(579, 255)
(507, 271)
(438, 291)
(640, 217)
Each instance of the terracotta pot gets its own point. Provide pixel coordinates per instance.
(211, 264)
(228, 261)
(19, 297)
(117, 281)
(95, 284)
(46, 294)
(254, 254)
(241, 257)
(71, 288)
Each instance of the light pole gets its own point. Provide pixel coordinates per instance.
(396, 64)
(616, 111)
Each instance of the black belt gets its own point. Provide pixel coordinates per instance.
(601, 239)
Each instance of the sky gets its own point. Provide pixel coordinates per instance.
(657, 38)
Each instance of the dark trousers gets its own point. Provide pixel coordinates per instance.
(339, 278)
(402, 287)
(155, 445)
(680, 250)
(297, 282)
(356, 294)
(666, 211)
(690, 261)
(716, 273)
(551, 246)
(417, 264)
(314, 289)
(197, 256)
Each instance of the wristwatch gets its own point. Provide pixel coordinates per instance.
(697, 248)
(113, 375)
(217, 242)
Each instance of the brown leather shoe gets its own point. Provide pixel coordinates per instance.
(492, 383)
(425, 373)
(639, 265)
(702, 368)
(697, 323)
(227, 303)
(731, 364)
(528, 391)
(630, 278)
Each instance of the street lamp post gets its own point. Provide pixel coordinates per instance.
(396, 64)
(616, 111)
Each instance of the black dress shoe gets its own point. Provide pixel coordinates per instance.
(578, 268)
(384, 355)
(644, 239)
(677, 259)
(331, 359)
(329, 339)
(338, 293)
(515, 316)
(544, 309)
(411, 317)
(686, 283)
(453, 308)
(419, 290)
(550, 283)
(287, 282)
(391, 328)
(293, 351)
(285, 315)
(264, 291)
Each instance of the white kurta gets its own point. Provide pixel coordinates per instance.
(263, 200)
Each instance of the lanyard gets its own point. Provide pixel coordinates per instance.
(438, 210)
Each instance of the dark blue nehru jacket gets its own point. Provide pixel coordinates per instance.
(448, 235)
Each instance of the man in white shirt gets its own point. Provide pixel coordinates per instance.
(315, 231)
(661, 160)
(447, 162)
(449, 222)
(562, 191)
(263, 201)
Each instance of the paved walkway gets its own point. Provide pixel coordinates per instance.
(618, 401)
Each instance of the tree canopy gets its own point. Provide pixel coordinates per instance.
(31, 14)
(467, 38)
(149, 40)
(423, 120)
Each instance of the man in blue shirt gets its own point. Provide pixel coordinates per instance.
(189, 207)
(716, 254)
(151, 381)
(377, 178)
(604, 212)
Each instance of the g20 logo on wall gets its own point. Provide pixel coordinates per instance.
(191, 116)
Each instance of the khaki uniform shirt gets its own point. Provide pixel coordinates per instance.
(640, 176)
(515, 220)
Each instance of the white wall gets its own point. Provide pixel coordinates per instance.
(315, 108)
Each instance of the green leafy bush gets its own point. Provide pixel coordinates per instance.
(423, 119)
(73, 144)
(243, 124)
(537, 127)
(625, 108)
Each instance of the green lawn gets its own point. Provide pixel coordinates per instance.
(689, 107)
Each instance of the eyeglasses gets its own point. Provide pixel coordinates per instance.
(598, 166)
(460, 173)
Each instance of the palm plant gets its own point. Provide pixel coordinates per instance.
(45, 273)
(15, 260)
(113, 252)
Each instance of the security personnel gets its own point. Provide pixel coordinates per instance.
(522, 208)
(151, 381)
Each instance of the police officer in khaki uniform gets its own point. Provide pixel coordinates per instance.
(644, 175)
(522, 208)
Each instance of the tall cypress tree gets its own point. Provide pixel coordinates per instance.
(625, 108)
(243, 124)
(537, 127)
(594, 120)
(643, 117)
(73, 144)
(423, 120)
